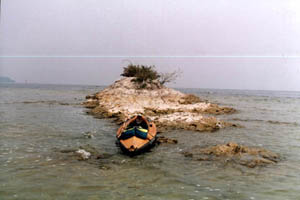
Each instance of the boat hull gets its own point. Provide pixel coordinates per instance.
(135, 145)
(140, 150)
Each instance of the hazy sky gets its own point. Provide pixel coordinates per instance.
(153, 28)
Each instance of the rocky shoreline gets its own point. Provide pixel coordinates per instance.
(168, 108)
(171, 109)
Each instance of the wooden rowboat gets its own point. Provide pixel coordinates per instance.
(136, 135)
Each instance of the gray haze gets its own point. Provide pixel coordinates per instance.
(153, 28)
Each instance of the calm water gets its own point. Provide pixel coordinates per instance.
(35, 124)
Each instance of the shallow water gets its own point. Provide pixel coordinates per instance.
(36, 121)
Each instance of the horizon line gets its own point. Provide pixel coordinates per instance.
(152, 56)
(174, 87)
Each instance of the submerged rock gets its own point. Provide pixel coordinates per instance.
(88, 135)
(68, 150)
(49, 102)
(85, 152)
(163, 139)
(233, 153)
(168, 108)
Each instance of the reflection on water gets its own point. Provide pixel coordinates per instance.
(32, 135)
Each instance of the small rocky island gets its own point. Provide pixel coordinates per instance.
(142, 91)
(168, 108)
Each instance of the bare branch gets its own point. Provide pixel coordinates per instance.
(169, 77)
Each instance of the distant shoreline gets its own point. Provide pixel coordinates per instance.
(5, 79)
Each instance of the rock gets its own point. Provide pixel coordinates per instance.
(91, 103)
(216, 110)
(94, 152)
(190, 122)
(83, 154)
(190, 99)
(91, 96)
(234, 153)
(168, 108)
(88, 135)
(163, 139)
